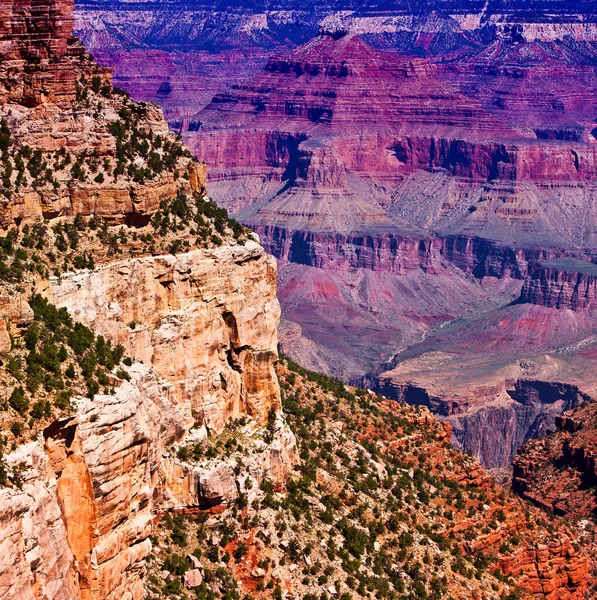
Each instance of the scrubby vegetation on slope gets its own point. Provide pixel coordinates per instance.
(51, 248)
(129, 151)
(381, 506)
(54, 360)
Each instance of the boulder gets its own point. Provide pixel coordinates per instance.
(193, 578)
(194, 561)
(218, 485)
(258, 573)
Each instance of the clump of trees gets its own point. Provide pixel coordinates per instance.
(58, 357)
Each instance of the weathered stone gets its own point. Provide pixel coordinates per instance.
(5, 343)
(195, 562)
(258, 573)
(218, 485)
(206, 322)
(193, 578)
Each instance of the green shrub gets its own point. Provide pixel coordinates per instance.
(40, 409)
(19, 401)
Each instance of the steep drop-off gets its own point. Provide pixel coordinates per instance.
(557, 472)
(137, 349)
(412, 171)
(104, 213)
(384, 185)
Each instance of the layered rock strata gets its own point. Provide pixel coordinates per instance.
(563, 284)
(204, 321)
(558, 472)
(79, 527)
(77, 504)
(74, 143)
(37, 52)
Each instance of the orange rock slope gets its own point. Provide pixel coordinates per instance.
(558, 472)
(381, 503)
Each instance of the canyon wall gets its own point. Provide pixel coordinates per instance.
(398, 253)
(496, 418)
(204, 340)
(204, 321)
(559, 285)
(80, 489)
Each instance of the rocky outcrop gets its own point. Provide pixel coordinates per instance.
(570, 284)
(549, 569)
(29, 30)
(66, 129)
(32, 35)
(205, 321)
(558, 472)
(496, 432)
(36, 560)
(79, 527)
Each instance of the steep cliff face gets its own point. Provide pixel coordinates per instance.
(566, 284)
(79, 526)
(182, 306)
(32, 35)
(497, 432)
(78, 503)
(400, 252)
(558, 471)
(204, 321)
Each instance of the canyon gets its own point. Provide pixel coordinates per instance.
(424, 178)
(153, 443)
(88, 454)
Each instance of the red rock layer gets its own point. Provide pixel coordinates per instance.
(564, 284)
(37, 52)
(398, 253)
(30, 30)
(559, 472)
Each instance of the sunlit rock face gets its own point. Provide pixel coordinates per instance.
(205, 322)
(79, 527)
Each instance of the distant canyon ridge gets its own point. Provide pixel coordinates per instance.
(424, 172)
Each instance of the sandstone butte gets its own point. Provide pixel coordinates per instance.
(193, 330)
